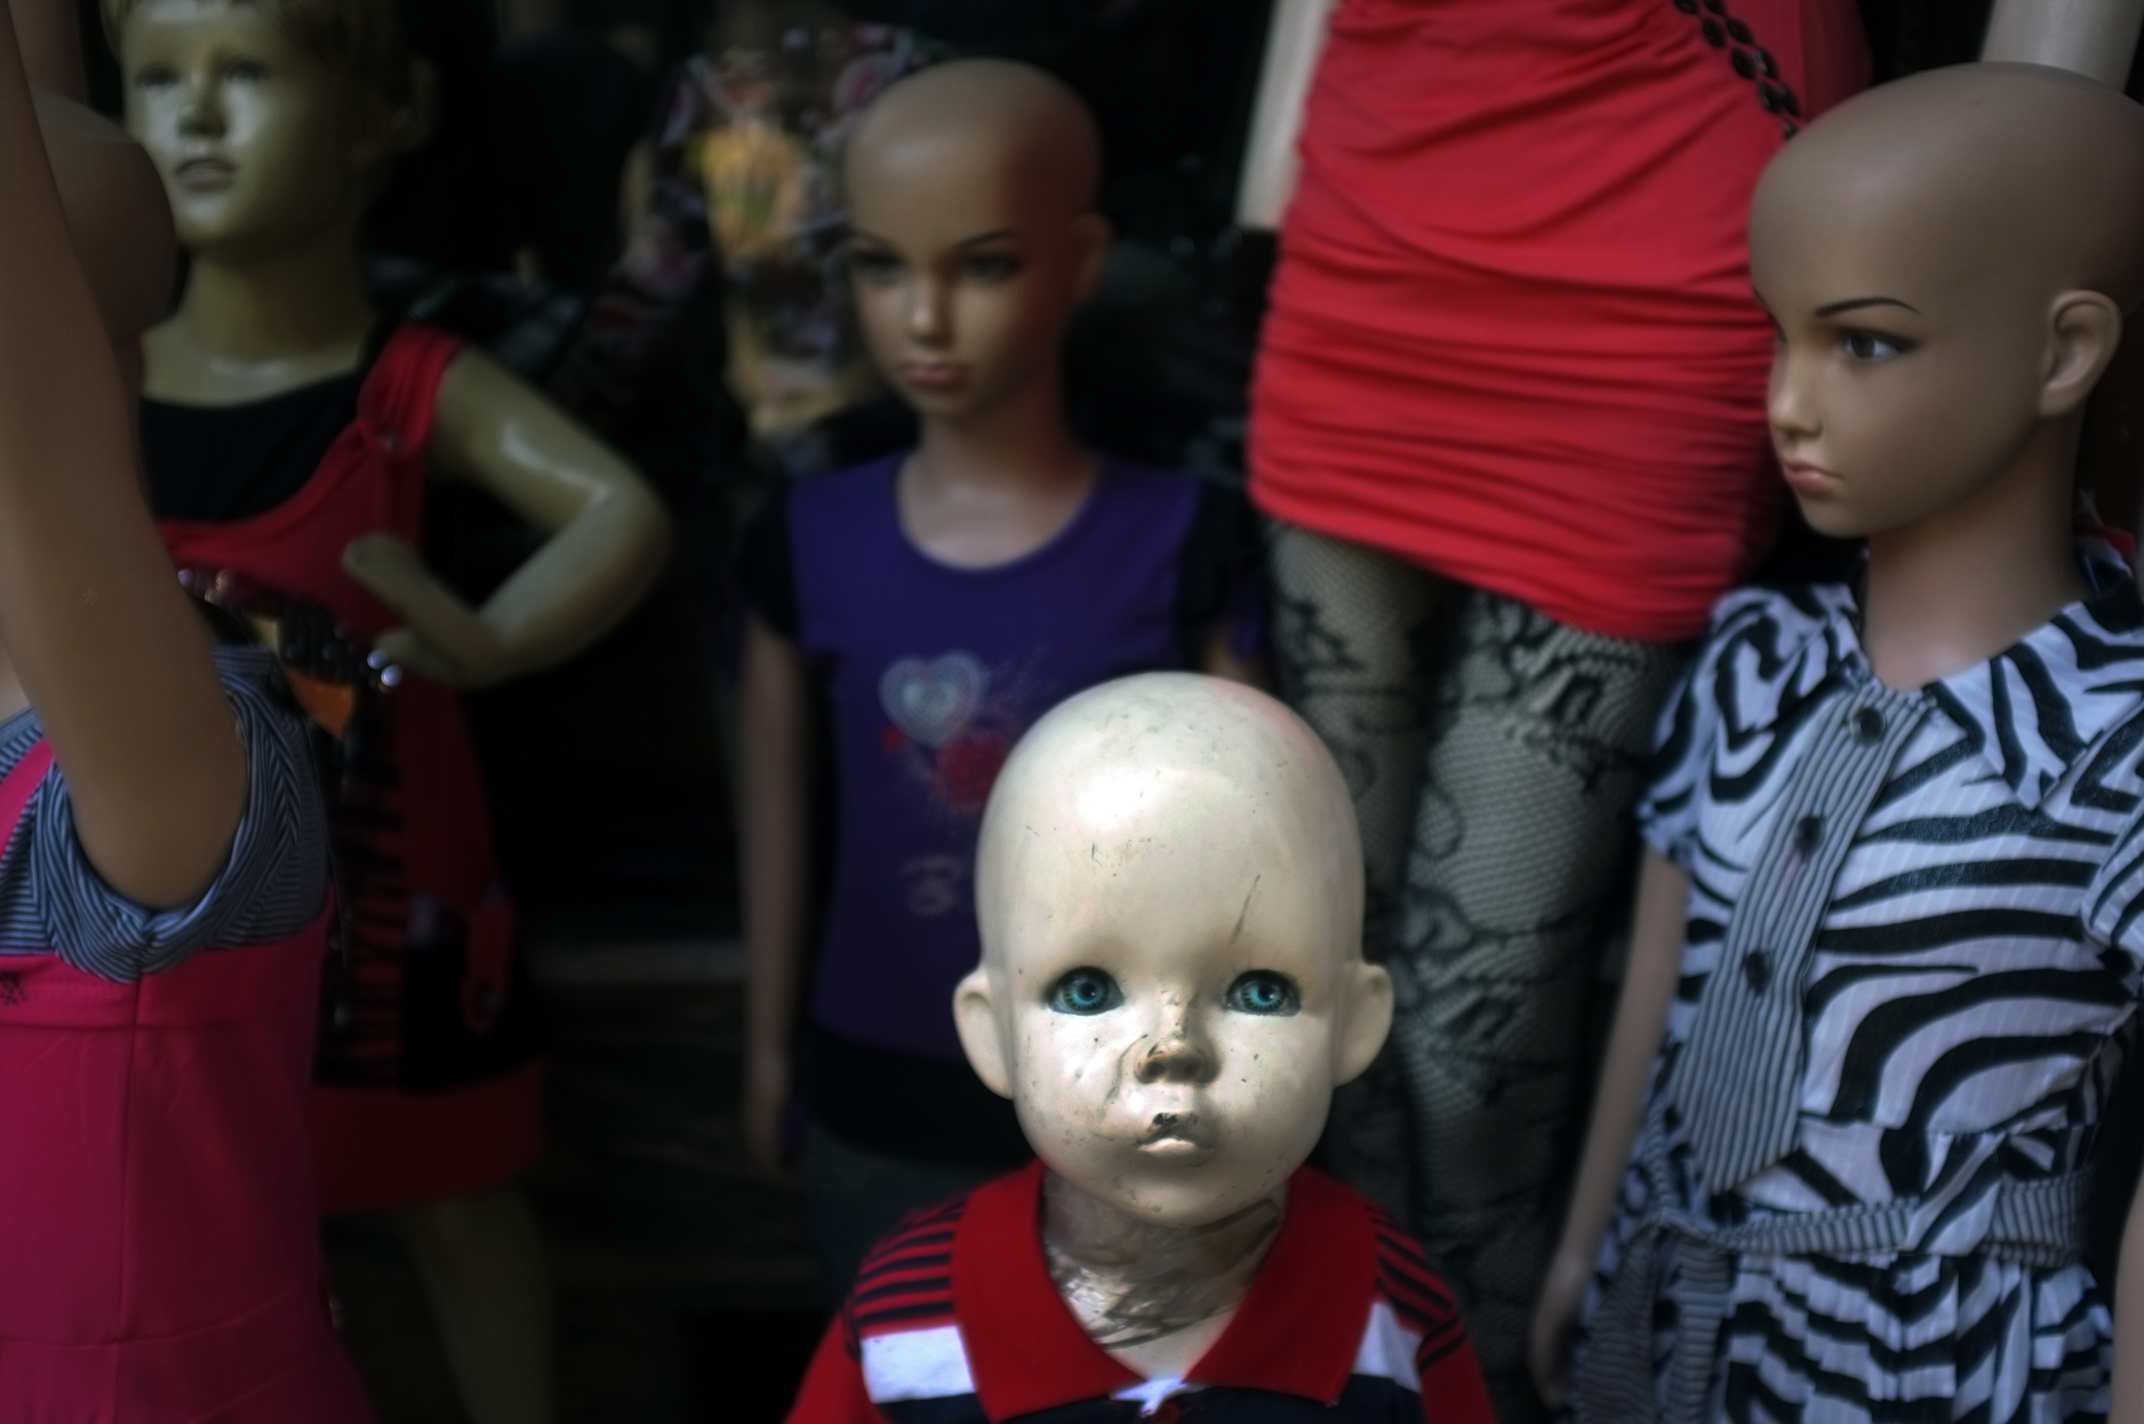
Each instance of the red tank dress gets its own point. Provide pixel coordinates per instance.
(426, 1089)
(161, 1261)
(1511, 335)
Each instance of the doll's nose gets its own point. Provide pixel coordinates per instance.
(1179, 1052)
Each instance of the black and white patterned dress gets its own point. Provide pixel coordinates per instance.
(1915, 946)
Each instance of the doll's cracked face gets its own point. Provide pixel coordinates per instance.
(253, 134)
(1908, 372)
(1175, 982)
(964, 270)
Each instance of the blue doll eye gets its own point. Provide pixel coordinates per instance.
(1263, 992)
(1085, 991)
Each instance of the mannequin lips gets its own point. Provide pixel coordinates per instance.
(932, 375)
(1808, 479)
(206, 175)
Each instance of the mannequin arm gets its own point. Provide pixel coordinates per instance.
(773, 809)
(1294, 37)
(2092, 37)
(1656, 945)
(2129, 1319)
(610, 537)
(107, 647)
(51, 37)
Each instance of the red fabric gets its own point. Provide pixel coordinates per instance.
(1511, 336)
(833, 1391)
(427, 831)
(161, 1262)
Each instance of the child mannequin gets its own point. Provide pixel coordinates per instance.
(162, 893)
(290, 438)
(934, 604)
(1170, 892)
(1889, 917)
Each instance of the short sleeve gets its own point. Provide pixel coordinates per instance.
(1221, 582)
(766, 566)
(833, 1391)
(2114, 901)
(1454, 1390)
(274, 881)
(1687, 734)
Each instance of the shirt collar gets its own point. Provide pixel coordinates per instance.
(1297, 1332)
(2033, 709)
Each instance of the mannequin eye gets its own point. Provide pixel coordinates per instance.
(991, 267)
(1868, 346)
(245, 71)
(154, 76)
(1263, 992)
(1085, 991)
(869, 265)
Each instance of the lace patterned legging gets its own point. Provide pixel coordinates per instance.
(1494, 756)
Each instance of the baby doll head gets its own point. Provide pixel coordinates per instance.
(273, 123)
(971, 189)
(1169, 886)
(1948, 259)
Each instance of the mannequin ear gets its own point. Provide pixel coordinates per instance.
(975, 1015)
(1369, 1020)
(2083, 332)
(1092, 236)
(402, 126)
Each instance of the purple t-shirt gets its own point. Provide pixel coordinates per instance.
(927, 675)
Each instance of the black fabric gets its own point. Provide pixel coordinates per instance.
(1221, 569)
(216, 464)
(903, 1106)
(766, 566)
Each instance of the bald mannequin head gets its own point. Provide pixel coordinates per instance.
(971, 189)
(1949, 259)
(1169, 888)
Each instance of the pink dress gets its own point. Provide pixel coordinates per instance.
(160, 1263)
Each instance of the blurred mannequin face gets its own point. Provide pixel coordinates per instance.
(965, 271)
(257, 139)
(1172, 985)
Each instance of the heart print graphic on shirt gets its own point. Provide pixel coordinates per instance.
(934, 702)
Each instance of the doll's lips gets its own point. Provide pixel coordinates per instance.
(1176, 1135)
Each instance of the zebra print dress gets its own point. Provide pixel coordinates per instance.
(1916, 939)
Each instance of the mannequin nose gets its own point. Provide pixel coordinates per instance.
(1179, 1052)
(1788, 405)
(928, 319)
(201, 115)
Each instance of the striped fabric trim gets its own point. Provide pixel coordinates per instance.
(1742, 1109)
(272, 885)
(905, 1283)
(916, 1364)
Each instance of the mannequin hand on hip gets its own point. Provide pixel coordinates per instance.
(1548, 1352)
(442, 638)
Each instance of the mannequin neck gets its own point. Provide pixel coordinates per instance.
(1022, 441)
(1958, 587)
(1132, 1282)
(297, 302)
